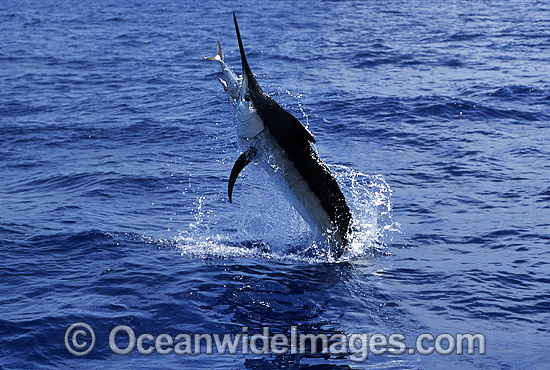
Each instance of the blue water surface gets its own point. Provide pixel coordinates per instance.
(116, 143)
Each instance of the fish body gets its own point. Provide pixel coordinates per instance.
(275, 139)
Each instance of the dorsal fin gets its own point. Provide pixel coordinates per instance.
(246, 67)
(279, 122)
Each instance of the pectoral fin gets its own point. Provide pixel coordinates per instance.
(242, 161)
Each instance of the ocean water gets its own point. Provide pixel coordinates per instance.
(116, 144)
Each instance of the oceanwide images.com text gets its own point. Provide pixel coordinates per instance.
(80, 339)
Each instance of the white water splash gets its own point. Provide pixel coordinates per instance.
(261, 222)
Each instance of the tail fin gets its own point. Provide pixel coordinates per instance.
(218, 57)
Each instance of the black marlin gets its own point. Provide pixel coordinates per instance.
(285, 148)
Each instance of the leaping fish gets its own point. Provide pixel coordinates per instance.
(274, 138)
